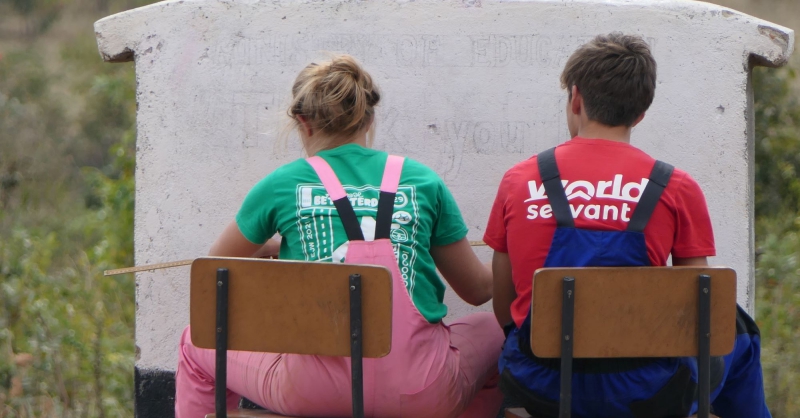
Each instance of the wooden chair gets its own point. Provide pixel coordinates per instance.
(655, 312)
(290, 307)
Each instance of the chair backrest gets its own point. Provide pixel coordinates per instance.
(633, 311)
(296, 307)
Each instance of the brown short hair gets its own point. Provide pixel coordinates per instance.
(337, 98)
(616, 75)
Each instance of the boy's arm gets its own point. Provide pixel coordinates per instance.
(694, 235)
(691, 261)
(504, 292)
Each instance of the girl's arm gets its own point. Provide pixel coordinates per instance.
(231, 243)
(460, 267)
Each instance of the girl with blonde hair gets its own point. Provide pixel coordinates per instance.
(350, 203)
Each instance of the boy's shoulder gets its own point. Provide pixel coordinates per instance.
(524, 170)
(683, 185)
(572, 152)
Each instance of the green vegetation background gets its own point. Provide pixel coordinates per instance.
(67, 145)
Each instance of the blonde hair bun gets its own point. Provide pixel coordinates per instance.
(337, 98)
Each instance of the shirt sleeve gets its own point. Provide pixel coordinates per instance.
(694, 236)
(449, 226)
(256, 218)
(496, 234)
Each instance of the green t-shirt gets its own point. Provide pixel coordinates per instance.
(292, 202)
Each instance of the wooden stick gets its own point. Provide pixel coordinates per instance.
(171, 264)
(148, 267)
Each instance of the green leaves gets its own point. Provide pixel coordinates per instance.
(778, 313)
(67, 143)
(777, 198)
(777, 123)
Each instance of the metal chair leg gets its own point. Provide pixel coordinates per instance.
(221, 367)
(567, 337)
(704, 347)
(356, 347)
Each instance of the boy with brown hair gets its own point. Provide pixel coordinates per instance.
(598, 201)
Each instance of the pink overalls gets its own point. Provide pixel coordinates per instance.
(433, 370)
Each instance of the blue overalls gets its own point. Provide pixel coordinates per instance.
(628, 387)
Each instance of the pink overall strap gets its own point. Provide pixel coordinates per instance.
(389, 184)
(391, 173)
(334, 188)
(328, 177)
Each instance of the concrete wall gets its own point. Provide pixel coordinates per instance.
(470, 88)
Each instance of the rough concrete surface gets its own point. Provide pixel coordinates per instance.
(469, 88)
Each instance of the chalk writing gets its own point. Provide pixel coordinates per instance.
(240, 117)
(487, 137)
(500, 51)
(403, 50)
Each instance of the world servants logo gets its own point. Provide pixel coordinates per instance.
(582, 190)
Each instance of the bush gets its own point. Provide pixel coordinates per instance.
(777, 196)
(778, 313)
(66, 332)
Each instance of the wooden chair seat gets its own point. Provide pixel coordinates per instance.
(521, 413)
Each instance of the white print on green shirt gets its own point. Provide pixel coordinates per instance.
(320, 227)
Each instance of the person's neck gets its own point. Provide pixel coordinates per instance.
(361, 139)
(596, 130)
(358, 139)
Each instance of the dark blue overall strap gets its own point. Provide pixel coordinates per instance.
(659, 178)
(551, 178)
(349, 219)
(389, 184)
(383, 219)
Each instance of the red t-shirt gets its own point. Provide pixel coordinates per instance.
(603, 181)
